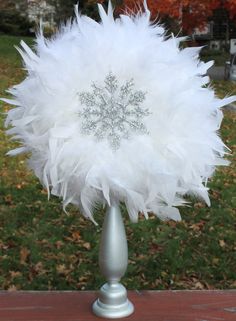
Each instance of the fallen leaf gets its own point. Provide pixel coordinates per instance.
(12, 288)
(222, 243)
(198, 226)
(24, 254)
(39, 267)
(83, 279)
(199, 286)
(61, 269)
(76, 236)
(8, 199)
(15, 274)
(59, 244)
(87, 245)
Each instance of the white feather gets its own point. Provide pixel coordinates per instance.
(150, 173)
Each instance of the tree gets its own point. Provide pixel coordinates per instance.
(65, 8)
(13, 17)
(230, 5)
(189, 14)
(179, 15)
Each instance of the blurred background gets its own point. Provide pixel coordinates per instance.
(211, 23)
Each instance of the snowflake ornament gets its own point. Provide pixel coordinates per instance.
(112, 112)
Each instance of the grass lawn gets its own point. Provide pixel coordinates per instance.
(43, 248)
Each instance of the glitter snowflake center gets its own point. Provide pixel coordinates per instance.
(113, 112)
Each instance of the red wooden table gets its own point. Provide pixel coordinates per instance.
(149, 306)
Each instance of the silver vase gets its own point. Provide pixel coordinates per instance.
(112, 300)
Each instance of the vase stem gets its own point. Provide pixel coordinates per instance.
(112, 301)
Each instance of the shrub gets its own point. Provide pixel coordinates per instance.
(12, 22)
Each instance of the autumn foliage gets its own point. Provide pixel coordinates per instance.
(190, 14)
(230, 5)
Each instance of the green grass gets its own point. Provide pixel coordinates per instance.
(7, 50)
(43, 248)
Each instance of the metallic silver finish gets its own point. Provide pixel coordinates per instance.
(113, 112)
(113, 260)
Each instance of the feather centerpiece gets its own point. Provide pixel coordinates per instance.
(116, 111)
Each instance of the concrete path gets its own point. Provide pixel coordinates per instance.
(216, 72)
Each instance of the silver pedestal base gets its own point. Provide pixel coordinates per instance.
(112, 302)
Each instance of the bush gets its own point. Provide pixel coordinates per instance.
(219, 56)
(205, 52)
(12, 22)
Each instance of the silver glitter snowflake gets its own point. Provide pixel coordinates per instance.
(112, 112)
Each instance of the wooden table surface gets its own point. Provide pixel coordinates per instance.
(149, 306)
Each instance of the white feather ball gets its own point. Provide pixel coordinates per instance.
(116, 111)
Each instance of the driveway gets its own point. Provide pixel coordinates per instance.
(216, 72)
